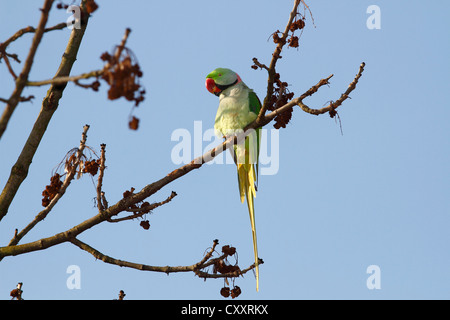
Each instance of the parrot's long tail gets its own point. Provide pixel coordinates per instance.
(247, 178)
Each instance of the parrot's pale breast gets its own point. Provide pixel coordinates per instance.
(233, 113)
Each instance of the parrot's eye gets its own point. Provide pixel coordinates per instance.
(220, 75)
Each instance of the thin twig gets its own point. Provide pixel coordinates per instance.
(259, 64)
(100, 177)
(8, 65)
(29, 29)
(139, 212)
(64, 80)
(87, 75)
(208, 254)
(121, 47)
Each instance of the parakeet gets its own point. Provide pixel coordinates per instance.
(238, 107)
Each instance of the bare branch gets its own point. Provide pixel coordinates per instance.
(259, 64)
(64, 80)
(8, 65)
(102, 168)
(121, 263)
(21, 99)
(196, 267)
(29, 29)
(121, 47)
(332, 106)
(23, 77)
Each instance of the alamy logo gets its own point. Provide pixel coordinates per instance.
(74, 20)
(191, 146)
(74, 280)
(374, 20)
(374, 280)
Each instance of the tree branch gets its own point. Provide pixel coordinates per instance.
(196, 267)
(122, 263)
(330, 107)
(29, 29)
(14, 37)
(64, 80)
(8, 65)
(273, 62)
(49, 105)
(23, 77)
(100, 194)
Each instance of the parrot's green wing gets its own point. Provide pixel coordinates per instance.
(255, 104)
(255, 107)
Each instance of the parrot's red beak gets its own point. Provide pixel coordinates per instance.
(211, 86)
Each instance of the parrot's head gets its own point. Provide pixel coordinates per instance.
(221, 79)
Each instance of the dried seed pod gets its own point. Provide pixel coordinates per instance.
(228, 250)
(235, 292)
(134, 123)
(145, 224)
(225, 292)
(51, 190)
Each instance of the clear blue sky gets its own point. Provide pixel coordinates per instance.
(376, 195)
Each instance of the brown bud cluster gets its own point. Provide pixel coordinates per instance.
(91, 6)
(279, 98)
(90, 166)
(229, 251)
(128, 193)
(138, 209)
(293, 40)
(85, 165)
(122, 74)
(223, 267)
(298, 24)
(51, 190)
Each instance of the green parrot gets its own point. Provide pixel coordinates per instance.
(238, 107)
